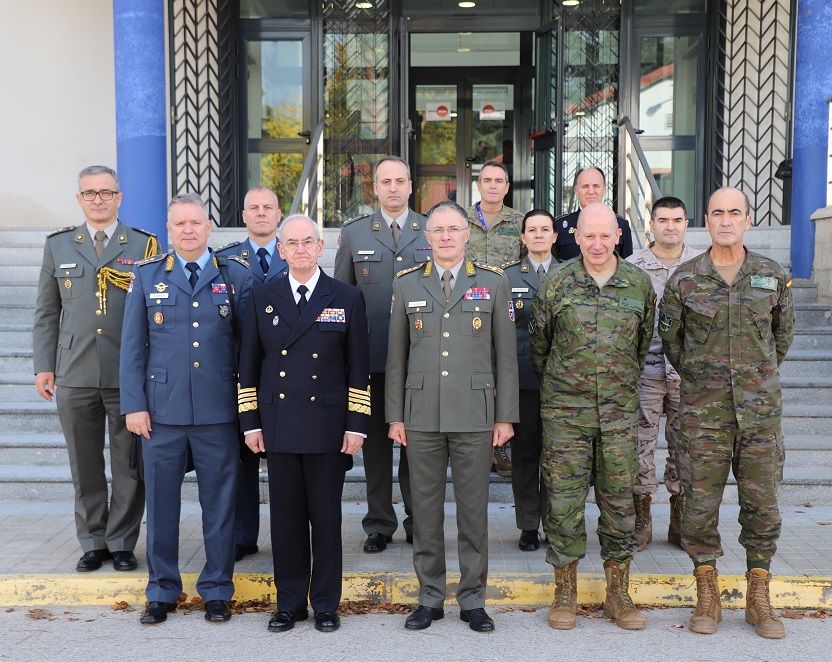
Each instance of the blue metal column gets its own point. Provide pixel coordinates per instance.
(813, 86)
(139, 35)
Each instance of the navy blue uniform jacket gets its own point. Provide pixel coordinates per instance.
(304, 377)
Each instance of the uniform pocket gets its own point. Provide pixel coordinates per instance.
(420, 319)
(70, 282)
(156, 390)
(761, 312)
(699, 319)
(412, 386)
(482, 400)
(476, 316)
(367, 265)
(161, 312)
(64, 349)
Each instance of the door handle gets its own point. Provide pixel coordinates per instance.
(305, 134)
(469, 160)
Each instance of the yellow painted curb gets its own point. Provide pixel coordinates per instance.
(503, 589)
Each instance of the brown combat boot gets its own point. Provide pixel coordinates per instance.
(674, 531)
(708, 612)
(758, 609)
(501, 464)
(565, 604)
(618, 604)
(644, 520)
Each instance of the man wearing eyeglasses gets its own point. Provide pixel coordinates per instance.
(444, 400)
(77, 339)
(304, 399)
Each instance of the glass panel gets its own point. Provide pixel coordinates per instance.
(465, 49)
(675, 173)
(275, 89)
(274, 8)
(437, 121)
(349, 186)
(433, 189)
(667, 90)
(671, 6)
(280, 172)
(451, 8)
(493, 131)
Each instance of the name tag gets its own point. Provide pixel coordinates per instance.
(416, 304)
(764, 283)
(159, 295)
(68, 266)
(366, 252)
(519, 289)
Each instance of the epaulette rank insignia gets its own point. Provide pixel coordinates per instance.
(487, 267)
(408, 270)
(152, 258)
(79, 238)
(59, 231)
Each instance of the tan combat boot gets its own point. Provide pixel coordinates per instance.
(708, 612)
(674, 531)
(501, 462)
(758, 609)
(565, 604)
(644, 520)
(618, 604)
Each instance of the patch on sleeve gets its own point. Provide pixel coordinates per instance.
(764, 283)
(511, 310)
(665, 322)
(532, 325)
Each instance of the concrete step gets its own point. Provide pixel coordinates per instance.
(804, 291)
(809, 365)
(17, 313)
(16, 335)
(19, 387)
(35, 450)
(19, 272)
(39, 416)
(18, 293)
(812, 339)
(812, 315)
(31, 254)
(797, 391)
(16, 360)
(23, 237)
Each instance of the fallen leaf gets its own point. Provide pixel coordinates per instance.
(367, 607)
(40, 615)
(72, 619)
(792, 613)
(123, 605)
(808, 504)
(825, 523)
(505, 610)
(528, 610)
(10, 610)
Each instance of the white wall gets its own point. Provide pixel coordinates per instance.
(58, 109)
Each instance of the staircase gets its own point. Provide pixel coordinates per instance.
(33, 458)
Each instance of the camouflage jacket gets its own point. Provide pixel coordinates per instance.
(657, 366)
(588, 345)
(728, 341)
(501, 243)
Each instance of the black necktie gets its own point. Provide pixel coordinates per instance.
(264, 263)
(193, 267)
(302, 290)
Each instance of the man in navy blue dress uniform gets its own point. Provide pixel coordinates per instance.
(304, 399)
(261, 215)
(178, 390)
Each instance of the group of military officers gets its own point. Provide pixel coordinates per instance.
(450, 334)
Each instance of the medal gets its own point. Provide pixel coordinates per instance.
(519, 304)
(418, 325)
(223, 310)
(158, 318)
(67, 283)
(477, 322)
(161, 287)
(276, 320)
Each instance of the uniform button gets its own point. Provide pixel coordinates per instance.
(196, 325)
(195, 304)
(445, 353)
(196, 364)
(488, 385)
(314, 356)
(98, 294)
(444, 373)
(97, 312)
(446, 315)
(67, 273)
(99, 331)
(282, 373)
(284, 352)
(196, 344)
(282, 396)
(314, 376)
(446, 335)
(153, 376)
(399, 258)
(312, 399)
(477, 308)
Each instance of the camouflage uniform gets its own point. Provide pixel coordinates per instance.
(727, 343)
(501, 243)
(658, 388)
(588, 348)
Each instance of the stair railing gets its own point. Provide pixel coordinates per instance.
(640, 187)
(309, 197)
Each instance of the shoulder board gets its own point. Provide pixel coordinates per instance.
(510, 264)
(231, 244)
(357, 218)
(237, 258)
(488, 267)
(154, 258)
(407, 271)
(66, 229)
(557, 218)
(143, 231)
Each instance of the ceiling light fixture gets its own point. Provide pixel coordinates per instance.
(364, 5)
(467, 5)
(571, 3)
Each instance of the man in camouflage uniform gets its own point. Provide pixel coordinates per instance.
(589, 335)
(495, 240)
(658, 385)
(726, 322)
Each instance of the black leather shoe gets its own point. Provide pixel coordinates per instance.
(285, 620)
(327, 621)
(376, 542)
(245, 550)
(156, 612)
(423, 617)
(125, 561)
(217, 611)
(92, 560)
(529, 541)
(477, 620)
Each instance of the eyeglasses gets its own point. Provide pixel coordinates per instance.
(438, 232)
(106, 194)
(292, 244)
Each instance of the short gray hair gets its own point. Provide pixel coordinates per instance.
(97, 170)
(260, 189)
(393, 159)
(188, 199)
(447, 204)
(306, 218)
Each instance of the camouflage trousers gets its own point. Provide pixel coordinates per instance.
(755, 456)
(658, 396)
(566, 463)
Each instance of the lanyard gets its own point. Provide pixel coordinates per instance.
(482, 219)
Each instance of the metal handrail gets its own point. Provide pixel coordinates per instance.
(309, 197)
(637, 198)
(829, 158)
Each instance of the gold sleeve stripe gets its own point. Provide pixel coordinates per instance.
(247, 406)
(360, 409)
(359, 396)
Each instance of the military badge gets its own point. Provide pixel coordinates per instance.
(477, 322)
(161, 287)
(571, 230)
(269, 309)
(79, 238)
(565, 224)
(67, 283)
(511, 315)
(764, 283)
(122, 239)
(477, 293)
(158, 318)
(123, 261)
(665, 322)
(366, 272)
(392, 301)
(276, 320)
(519, 304)
(223, 310)
(219, 288)
(418, 325)
(532, 325)
(336, 315)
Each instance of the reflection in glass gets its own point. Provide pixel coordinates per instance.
(436, 119)
(675, 173)
(275, 89)
(430, 190)
(667, 90)
(465, 49)
(274, 8)
(280, 172)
